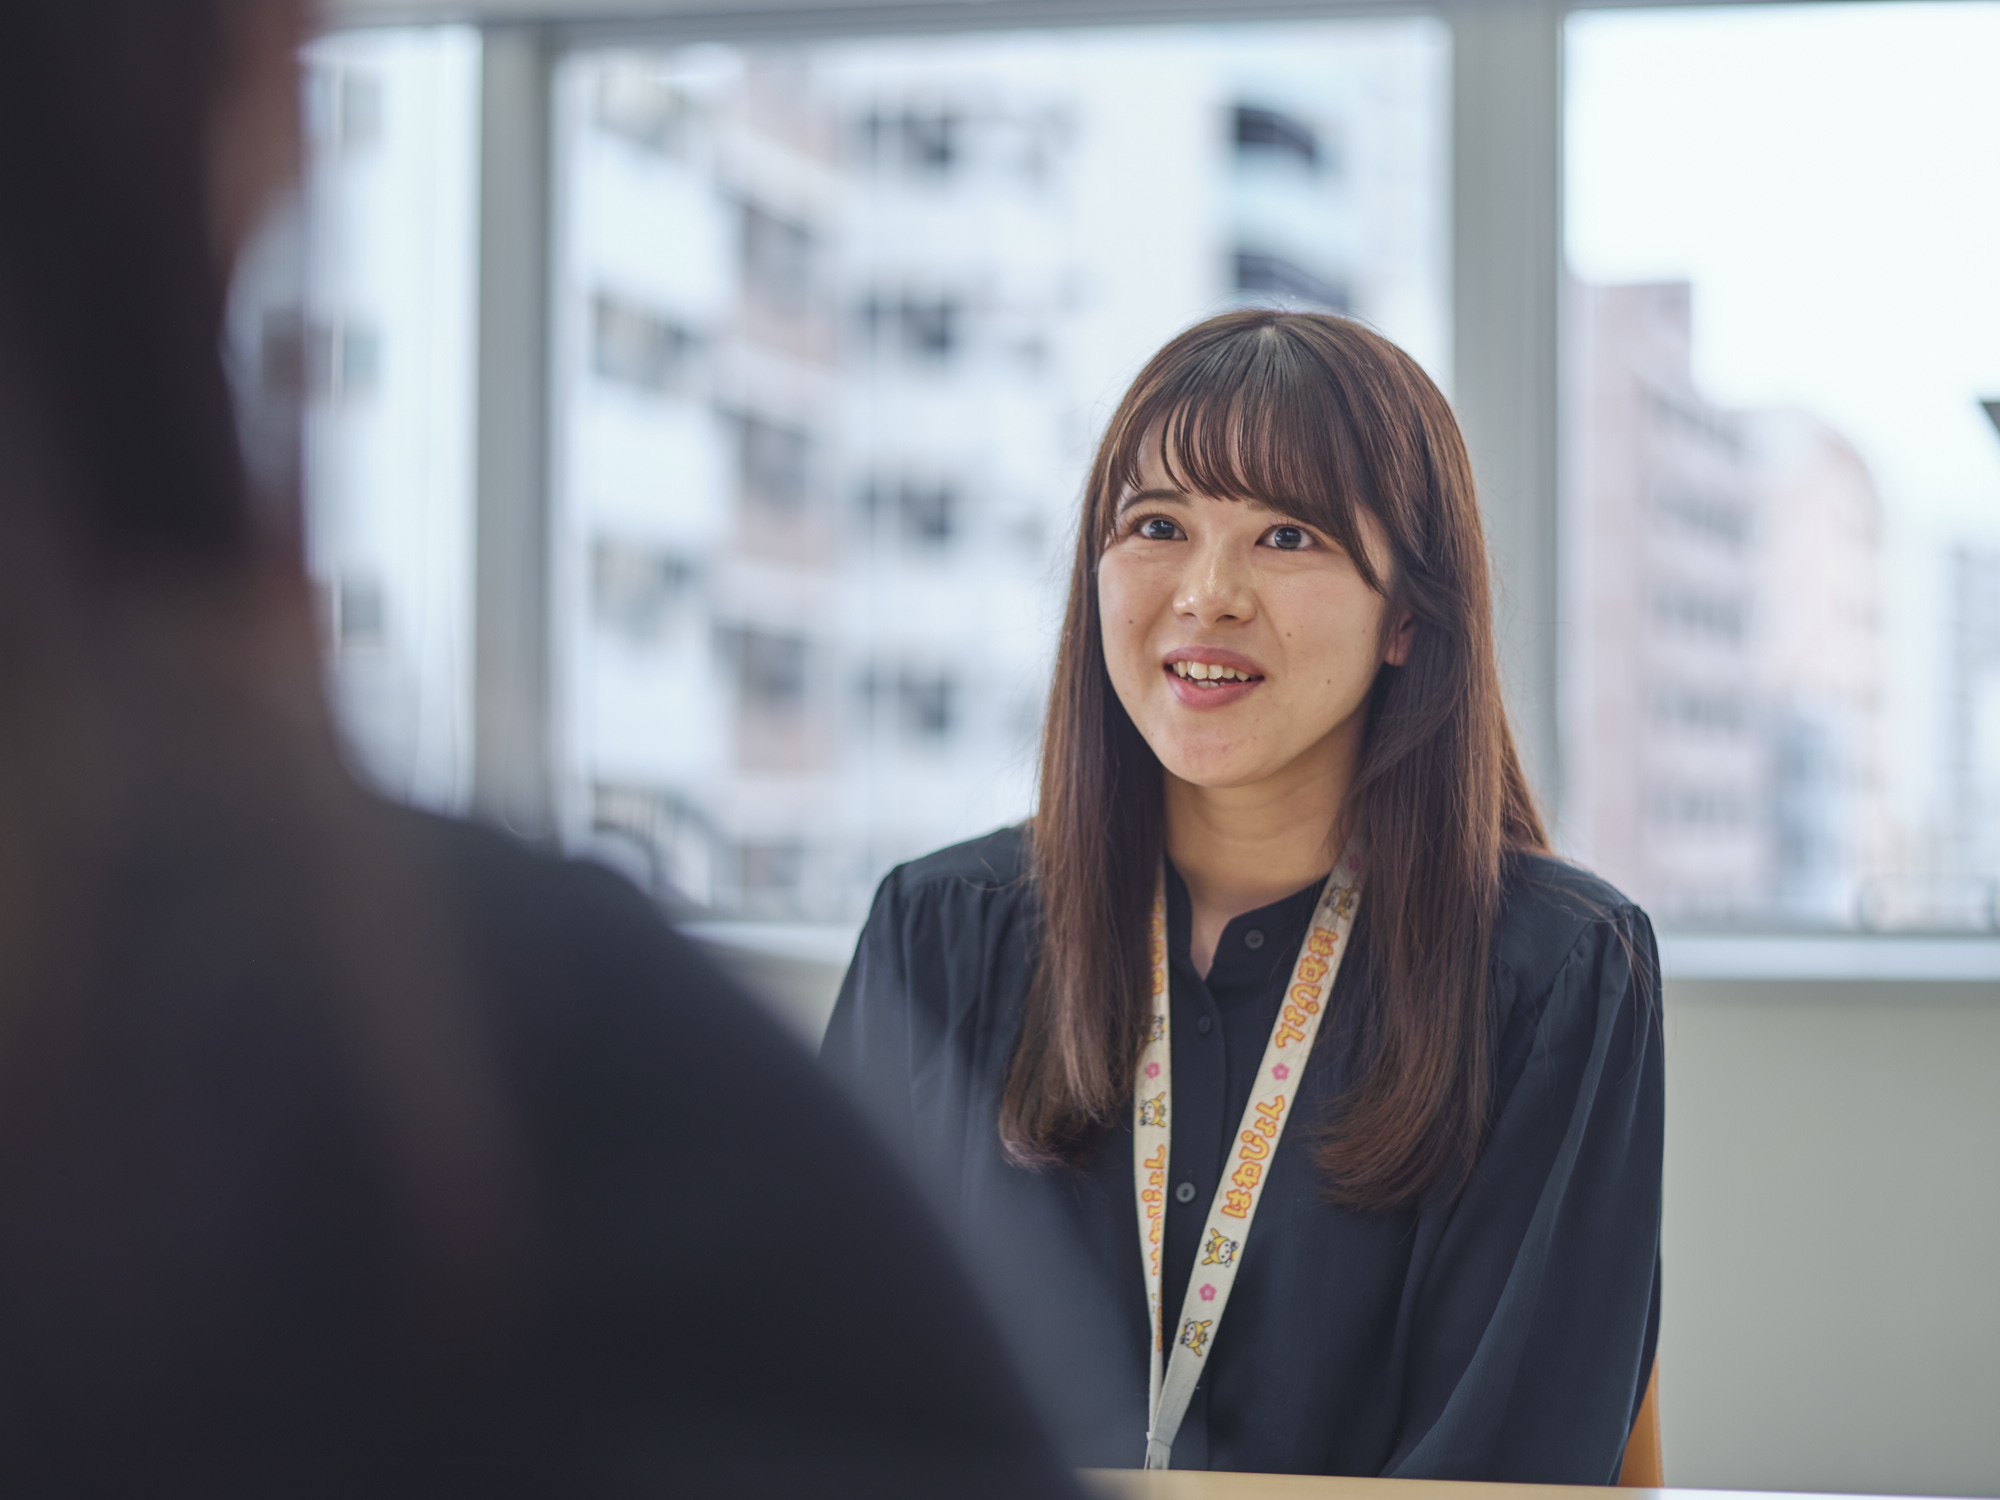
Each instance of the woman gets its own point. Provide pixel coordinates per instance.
(1282, 817)
(345, 1151)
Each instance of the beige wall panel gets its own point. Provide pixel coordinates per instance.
(1832, 1258)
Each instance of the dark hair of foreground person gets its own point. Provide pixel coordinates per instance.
(343, 1150)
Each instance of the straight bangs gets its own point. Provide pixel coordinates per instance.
(1261, 419)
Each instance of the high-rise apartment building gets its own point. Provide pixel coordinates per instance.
(698, 537)
(1972, 739)
(1725, 697)
(838, 328)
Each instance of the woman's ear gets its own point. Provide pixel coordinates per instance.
(1401, 636)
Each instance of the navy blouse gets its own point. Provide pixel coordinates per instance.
(1501, 1333)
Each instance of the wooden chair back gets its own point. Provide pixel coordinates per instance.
(1643, 1468)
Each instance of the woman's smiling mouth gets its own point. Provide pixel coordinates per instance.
(1207, 678)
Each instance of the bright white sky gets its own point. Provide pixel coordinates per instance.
(1828, 178)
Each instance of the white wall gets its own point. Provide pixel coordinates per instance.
(1832, 1259)
(1832, 1305)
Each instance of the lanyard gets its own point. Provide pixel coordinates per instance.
(1171, 1383)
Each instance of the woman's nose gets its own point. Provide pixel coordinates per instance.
(1216, 587)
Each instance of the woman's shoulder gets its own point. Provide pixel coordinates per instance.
(995, 863)
(950, 934)
(987, 873)
(1558, 919)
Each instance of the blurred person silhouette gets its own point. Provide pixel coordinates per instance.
(345, 1150)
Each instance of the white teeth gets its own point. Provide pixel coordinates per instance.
(1201, 671)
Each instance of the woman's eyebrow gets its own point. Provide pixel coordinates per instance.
(1126, 502)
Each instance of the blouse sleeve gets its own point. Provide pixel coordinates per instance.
(868, 1042)
(1535, 1318)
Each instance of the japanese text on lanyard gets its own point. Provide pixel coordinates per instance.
(1171, 1381)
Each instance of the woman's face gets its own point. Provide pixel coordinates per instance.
(1242, 641)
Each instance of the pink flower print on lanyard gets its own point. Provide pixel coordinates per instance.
(1281, 1072)
(1152, 1070)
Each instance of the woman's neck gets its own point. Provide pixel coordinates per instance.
(1241, 847)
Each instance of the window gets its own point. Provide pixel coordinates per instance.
(774, 464)
(358, 615)
(635, 103)
(328, 361)
(926, 702)
(637, 346)
(343, 101)
(770, 670)
(779, 722)
(777, 259)
(1783, 494)
(919, 327)
(634, 587)
(920, 704)
(923, 513)
(1274, 134)
(913, 142)
(913, 274)
(381, 353)
(1274, 276)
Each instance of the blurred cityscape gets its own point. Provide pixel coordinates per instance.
(1728, 690)
(835, 329)
(842, 326)
(385, 358)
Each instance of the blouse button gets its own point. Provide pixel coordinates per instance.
(1184, 1193)
(1253, 939)
(1204, 1025)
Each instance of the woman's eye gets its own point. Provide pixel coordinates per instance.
(1289, 538)
(1158, 529)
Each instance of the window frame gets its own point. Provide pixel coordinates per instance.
(1506, 258)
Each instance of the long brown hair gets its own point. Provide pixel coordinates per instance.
(1316, 416)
